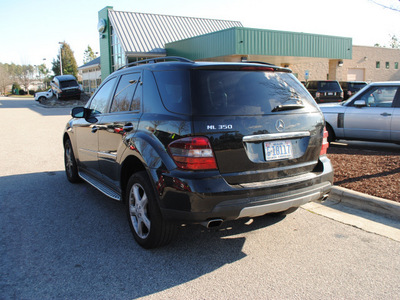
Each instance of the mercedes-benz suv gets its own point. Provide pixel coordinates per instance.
(199, 142)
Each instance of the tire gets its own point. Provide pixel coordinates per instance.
(148, 227)
(42, 99)
(331, 134)
(71, 168)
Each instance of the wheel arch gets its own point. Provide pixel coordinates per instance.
(130, 165)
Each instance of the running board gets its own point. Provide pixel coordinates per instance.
(100, 186)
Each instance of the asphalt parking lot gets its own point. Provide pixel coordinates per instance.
(60, 240)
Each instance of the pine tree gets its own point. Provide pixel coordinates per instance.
(88, 55)
(69, 65)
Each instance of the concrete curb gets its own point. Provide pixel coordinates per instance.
(366, 202)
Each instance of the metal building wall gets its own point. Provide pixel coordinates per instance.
(250, 41)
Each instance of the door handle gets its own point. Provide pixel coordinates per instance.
(128, 127)
(94, 129)
(385, 114)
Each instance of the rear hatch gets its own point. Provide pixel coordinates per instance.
(261, 122)
(69, 87)
(329, 91)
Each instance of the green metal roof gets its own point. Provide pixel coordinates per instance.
(250, 41)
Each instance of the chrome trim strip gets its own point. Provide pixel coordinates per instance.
(279, 182)
(260, 210)
(275, 136)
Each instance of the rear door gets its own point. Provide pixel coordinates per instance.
(121, 120)
(262, 124)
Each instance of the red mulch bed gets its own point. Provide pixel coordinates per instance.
(371, 172)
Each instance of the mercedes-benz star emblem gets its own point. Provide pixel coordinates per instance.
(280, 125)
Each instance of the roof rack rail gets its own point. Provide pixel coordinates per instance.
(155, 60)
(258, 62)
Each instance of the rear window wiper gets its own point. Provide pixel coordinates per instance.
(287, 107)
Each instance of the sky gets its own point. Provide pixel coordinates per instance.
(30, 30)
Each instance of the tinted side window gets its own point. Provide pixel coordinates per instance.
(137, 98)
(100, 100)
(312, 85)
(124, 92)
(379, 96)
(174, 88)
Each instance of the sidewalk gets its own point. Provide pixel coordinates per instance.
(369, 213)
(366, 202)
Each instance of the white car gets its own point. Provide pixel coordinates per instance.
(41, 96)
(373, 114)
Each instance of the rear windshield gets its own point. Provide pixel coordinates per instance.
(68, 83)
(328, 86)
(231, 92)
(356, 85)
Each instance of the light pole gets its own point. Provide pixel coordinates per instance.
(61, 43)
(44, 74)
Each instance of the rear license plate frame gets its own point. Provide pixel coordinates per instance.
(278, 150)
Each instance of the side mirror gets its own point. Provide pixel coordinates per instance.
(82, 112)
(360, 103)
(78, 112)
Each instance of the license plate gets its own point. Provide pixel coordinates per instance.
(330, 94)
(278, 150)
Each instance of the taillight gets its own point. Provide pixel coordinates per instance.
(257, 69)
(342, 95)
(325, 143)
(317, 94)
(193, 153)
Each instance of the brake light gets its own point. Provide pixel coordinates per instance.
(257, 69)
(193, 153)
(325, 143)
(317, 94)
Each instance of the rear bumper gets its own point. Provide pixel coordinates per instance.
(196, 200)
(65, 94)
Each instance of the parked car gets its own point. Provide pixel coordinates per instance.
(42, 96)
(373, 114)
(325, 90)
(351, 87)
(65, 87)
(185, 142)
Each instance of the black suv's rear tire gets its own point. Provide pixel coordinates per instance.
(149, 228)
(71, 168)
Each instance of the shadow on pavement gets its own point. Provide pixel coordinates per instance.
(63, 240)
(30, 103)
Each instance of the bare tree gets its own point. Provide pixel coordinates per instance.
(5, 78)
(26, 76)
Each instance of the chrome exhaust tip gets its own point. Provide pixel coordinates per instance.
(214, 223)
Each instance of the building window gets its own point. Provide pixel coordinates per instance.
(396, 65)
(378, 64)
(118, 54)
(387, 65)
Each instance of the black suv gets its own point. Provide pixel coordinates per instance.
(66, 86)
(198, 142)
(325, 91)
(351, 87)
